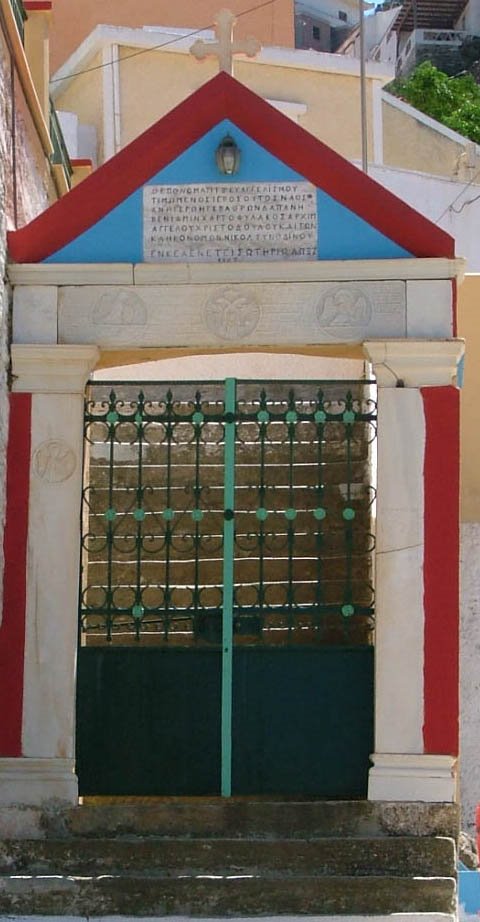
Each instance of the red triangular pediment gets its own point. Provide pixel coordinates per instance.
(223, 97)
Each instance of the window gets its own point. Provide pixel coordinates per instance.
(342, 15)
(316, 33)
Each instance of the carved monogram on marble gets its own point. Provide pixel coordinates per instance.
(54, 461)
(232, 314)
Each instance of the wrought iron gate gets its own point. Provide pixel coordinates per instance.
(226, 604)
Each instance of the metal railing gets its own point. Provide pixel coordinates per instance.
(154, 514)
(20, 15)
(60, 153)
(451, 38)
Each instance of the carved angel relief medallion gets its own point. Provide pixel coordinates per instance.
(344, 313)
(54, 461)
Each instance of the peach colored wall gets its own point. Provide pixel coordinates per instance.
(73, 20)
(469, 328)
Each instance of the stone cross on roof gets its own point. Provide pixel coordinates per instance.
(225, 46)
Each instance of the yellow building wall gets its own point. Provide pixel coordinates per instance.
(178, 75)
(469, 328)
(163, 79)
(411, 145)
(83, 96)
(332, 101)
(73, 20)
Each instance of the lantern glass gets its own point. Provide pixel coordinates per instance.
(227, 156)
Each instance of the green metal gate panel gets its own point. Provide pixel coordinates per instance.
(226, 607)
(302, 720)
(148, 720)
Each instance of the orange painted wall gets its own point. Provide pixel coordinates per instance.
(73, 20)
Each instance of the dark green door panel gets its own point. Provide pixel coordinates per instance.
(148, 721)
(302, 720)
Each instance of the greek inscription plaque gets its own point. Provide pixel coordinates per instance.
(242, 222)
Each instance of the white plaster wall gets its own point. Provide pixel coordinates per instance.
(81, 140)
(448, 203)
(87, 142)
(471, 15)
(328, 9)
(470, 674)
(69, 125)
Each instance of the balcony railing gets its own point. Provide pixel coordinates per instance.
(60, 153)
(448, 38)
(20, 15)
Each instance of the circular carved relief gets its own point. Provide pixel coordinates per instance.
(119, 308)
(54, 461)
(344, 313)
(231, 314)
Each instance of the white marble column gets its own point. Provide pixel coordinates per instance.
(55, 376)
(400, 768)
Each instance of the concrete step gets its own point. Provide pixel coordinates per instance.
(401, 856)
(217, 896)
(260, 819)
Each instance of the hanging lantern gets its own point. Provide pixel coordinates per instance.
(227, 156)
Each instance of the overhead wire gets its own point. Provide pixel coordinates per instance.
(470, 202)
(170, 41)
(459, 195)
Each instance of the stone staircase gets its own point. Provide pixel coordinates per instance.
(233, 858)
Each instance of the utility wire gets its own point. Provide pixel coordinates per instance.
(171, 41)
(469, 202)
(459, 195)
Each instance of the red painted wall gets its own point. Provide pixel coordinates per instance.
(12, 630)
(441, 561)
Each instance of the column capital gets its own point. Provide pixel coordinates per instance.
(414, 362)
(50, 369)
